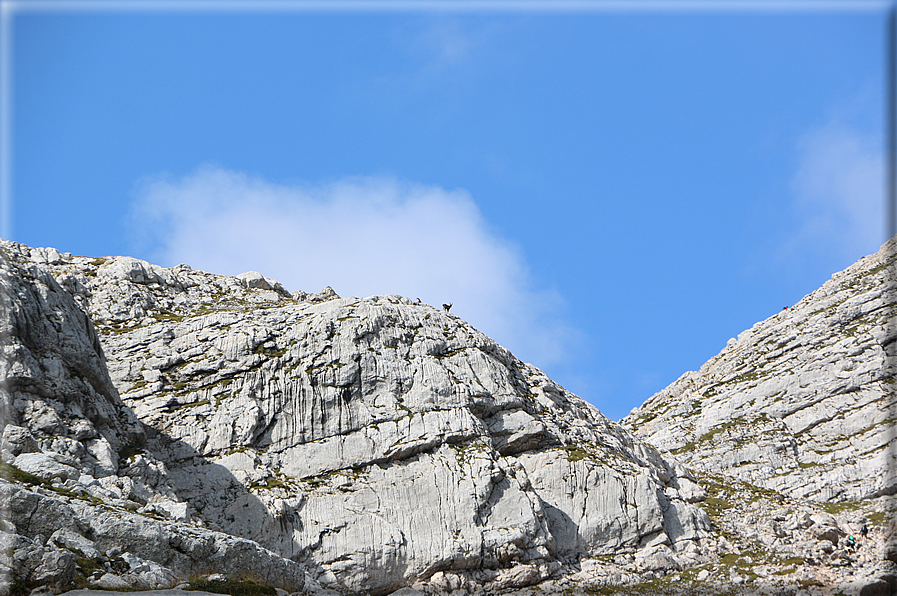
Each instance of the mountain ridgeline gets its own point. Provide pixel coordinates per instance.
(170, 424)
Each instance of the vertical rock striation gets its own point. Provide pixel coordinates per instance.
(376, 441)
(163, 423)
(78, 490)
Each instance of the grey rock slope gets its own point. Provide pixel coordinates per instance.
(790, 430)
(376, 442)
(802, 403)
(69, 495)
(160, 424)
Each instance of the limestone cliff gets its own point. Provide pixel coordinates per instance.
(74, 477)
(375, 441)
(802, 403)
(163, 423)
(790, 429)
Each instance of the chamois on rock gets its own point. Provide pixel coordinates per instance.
(447, 307)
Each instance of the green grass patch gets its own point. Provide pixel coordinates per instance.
(401, 405)
(464, 454)
(222, 397)
(309, 370)
(319, 480)
(714, 506)
(167, 316)
(646, 417)
(688, 447)
(878, 518)
(711, 391)
(575, 453)
(205, 308)
(784, 572)
(835, 508)
(660, 585)
(721, 428)
(11, 473)
(747, 377)
(118, 328)
(232, 586)
(271, 483)
(87, 566)
(879, 267)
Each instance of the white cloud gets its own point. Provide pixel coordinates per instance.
(362, 236)
(839, 192)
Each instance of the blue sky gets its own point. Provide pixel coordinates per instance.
(610, 194)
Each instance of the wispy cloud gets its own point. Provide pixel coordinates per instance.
(447, 42)
(839, 192)
(363, 236)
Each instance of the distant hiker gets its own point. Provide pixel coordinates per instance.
(447, 307)
(864, 531)
(784, 308)
(851, 542)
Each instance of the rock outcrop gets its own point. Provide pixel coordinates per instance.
(802, 403)
(376, 442)
(165, 423)
(80, 497)
(790, 429)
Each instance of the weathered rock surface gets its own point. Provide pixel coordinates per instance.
(376, 441)
(790, 430)
(70, 479)
(802, 403)
(217, 424)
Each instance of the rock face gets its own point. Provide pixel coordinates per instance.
(790, 430)
(76, 496)
(165, 423)
(802, 403)
(376, 442)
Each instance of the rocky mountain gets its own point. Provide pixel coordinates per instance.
(165, 423)
(800, 407)
(802, 403)
(76, 499)
(375, 442)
